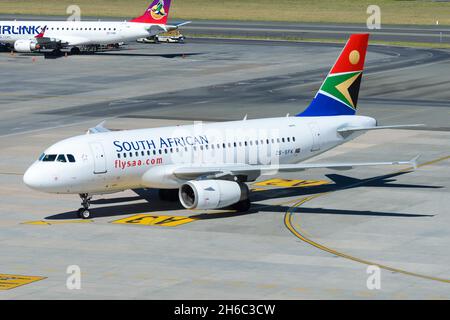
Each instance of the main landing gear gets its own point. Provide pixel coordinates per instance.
(85, 213)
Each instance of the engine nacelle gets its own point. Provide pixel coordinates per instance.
(26, 46)
(212, 194)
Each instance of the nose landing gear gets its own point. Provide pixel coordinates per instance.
(85, 213)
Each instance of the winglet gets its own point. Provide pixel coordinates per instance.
(98, 128)
(42, 33)
(413, 162)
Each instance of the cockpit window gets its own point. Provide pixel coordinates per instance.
(71, 158)
(41, 157)
(61, 158)
(49, 158)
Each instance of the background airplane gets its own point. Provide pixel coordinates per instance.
(207, 166)
(29, 36)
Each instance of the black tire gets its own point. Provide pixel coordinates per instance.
(84, 213)
(242, 206)
(170, 195)
(75, 51)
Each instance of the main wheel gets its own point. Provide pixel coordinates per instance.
(75, 51)
(242, 206)
(84, 213)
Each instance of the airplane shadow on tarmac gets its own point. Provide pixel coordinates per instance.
(340, 182)
(51, 55)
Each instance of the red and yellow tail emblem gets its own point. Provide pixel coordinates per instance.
(338, 94)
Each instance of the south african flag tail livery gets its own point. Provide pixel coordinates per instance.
(338, 94)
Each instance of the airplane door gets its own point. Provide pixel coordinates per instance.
(99, 158)
(315, 132)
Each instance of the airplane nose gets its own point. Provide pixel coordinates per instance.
(31, 178)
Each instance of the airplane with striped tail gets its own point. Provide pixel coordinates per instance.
(207, 166)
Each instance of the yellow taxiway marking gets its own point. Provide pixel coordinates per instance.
(296, 231)
(257, 189)
(11, 281)
(155, 220)
(50, 222)
(290, 183)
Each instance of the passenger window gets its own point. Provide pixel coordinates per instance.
(61, 158)
(288, 139)
(118, 155)
(71, 158)
(49, 158)
(293, 139)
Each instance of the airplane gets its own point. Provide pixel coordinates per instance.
(29, 36)
(207, 166)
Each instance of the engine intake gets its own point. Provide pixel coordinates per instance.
(26, 46)
(212, 194)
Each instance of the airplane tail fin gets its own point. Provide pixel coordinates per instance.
(157, 13)
(338, 94)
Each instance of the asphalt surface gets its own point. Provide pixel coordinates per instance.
(313, 241)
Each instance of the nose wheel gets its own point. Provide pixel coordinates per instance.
(84, 212)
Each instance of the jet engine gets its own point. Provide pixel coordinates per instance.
(26, 46)
(214, 194)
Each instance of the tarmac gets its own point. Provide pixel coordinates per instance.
(310, 235)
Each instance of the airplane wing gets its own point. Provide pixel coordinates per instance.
(354, 129)
(73, 41)
(217, 171)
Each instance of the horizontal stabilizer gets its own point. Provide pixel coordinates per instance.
(176, 26)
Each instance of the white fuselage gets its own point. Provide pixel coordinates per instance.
(120, 160)
(77, 33)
